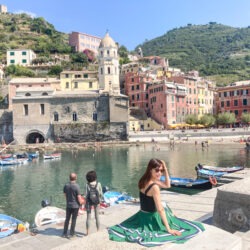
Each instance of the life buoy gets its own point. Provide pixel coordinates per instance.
(213, 180)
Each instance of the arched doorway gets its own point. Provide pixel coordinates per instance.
(35, 137)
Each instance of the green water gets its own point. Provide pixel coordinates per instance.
(24, 187)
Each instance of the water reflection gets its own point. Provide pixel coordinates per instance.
(23, 188)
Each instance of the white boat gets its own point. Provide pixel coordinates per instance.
(52, 156)
(50, 215)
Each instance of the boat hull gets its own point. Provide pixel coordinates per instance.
(221, 169)
(50, 215)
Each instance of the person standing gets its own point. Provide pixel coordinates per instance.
(73, 201)
(94, 195)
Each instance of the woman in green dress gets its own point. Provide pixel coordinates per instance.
(154, 225)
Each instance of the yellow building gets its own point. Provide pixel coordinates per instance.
(79, 80)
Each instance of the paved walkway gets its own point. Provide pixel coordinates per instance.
(196, 207)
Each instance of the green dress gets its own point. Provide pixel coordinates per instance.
(147, 229)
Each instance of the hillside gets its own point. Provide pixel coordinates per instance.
(216, 50)
(22, 31)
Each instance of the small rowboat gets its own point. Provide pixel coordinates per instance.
(221, 169)
(52, 156)
(203, 173)
(10, 225)
(49, 215)
(189, 183)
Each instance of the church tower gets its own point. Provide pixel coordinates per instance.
(108, 66)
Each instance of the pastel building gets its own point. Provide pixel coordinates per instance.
(81, 41)
(79, 80)
(3, 8)
(234, 99)
(21, 57)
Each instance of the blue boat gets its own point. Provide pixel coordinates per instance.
(204, 173)
(10, 225)
(189, 183)
(221, 169)
(115, 197)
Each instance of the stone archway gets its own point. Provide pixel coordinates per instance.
(35, 137)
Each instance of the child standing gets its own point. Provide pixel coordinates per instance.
(94, 196)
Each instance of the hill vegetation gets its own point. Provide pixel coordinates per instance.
(215, 50)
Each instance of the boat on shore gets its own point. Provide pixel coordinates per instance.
(10, 225)
(203, 184)
(221, 169)
(207, 174)
(49, 215)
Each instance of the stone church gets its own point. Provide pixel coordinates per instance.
(50, 115)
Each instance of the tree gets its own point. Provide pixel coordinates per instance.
(207, 120)
(226, 118)
(245, 118)
(123, 53)
(79, 58)
(18, 70)
(191, 119)
(55, 70)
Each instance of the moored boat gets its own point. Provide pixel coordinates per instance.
(189, 183)
(10, 225)
(52, 156)
(221, 169)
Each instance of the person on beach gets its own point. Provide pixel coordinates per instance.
(94, 195)
(154, 224)
(73, 201)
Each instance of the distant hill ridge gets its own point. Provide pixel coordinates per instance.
(213, 49)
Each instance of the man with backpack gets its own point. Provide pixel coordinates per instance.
(94, 196)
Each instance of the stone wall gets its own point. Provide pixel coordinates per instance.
(82, 132)
(232, 206)
(6, 126)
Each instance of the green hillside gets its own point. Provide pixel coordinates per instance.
(19, 31)
(216, 50)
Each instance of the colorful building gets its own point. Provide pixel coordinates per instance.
(21, 57)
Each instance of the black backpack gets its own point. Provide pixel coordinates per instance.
(93, 195)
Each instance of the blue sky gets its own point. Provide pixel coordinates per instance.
(131, 22)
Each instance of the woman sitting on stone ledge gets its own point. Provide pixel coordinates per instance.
(154, 225)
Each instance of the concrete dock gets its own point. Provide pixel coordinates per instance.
(192, 207)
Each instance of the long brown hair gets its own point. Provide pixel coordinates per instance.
(153, 163)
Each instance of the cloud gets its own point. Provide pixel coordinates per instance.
(33, 15)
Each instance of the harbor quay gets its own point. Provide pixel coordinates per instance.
(205, 207)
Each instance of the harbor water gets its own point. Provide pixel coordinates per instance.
(22, 188)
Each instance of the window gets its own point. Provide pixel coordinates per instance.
(76, 85)
(90, 85)
(27, 94)
(12, 53)
(56, 117)
(137, 86)
(101, 71)
(235, 102)
(85, 76)
(12, 61)
(132, 80)
(236, 112)
(67, 85)
(132, 87)
(228, 103)
(244, 102)
(24, 61)
(109, 70)
(26, 109)
(222, 104)
(94, 116)
(74, 116)
(66, 75)
(42, 109)
(24, 53)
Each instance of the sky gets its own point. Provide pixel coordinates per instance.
(132, 22)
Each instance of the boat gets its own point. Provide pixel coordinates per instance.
(115, 197)
(204, 173)
(189, 183)
(52, 156)
(49, 215)
(10, 225)
(13, 161)
(33, 155)
(221, 169)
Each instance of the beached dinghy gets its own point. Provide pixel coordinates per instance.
(49, 215)
(115, 197)
(10, 225)
(189, 183)
(221, 169)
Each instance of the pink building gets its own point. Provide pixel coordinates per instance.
(81, 41)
